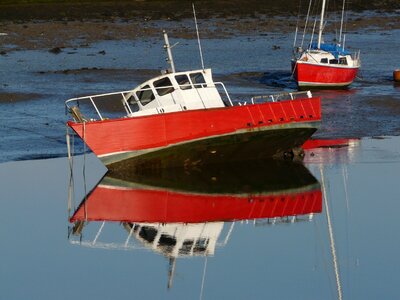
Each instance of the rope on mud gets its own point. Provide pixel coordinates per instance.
(71, 192)
(84, 167)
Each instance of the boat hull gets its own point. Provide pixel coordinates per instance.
(269, 143)
(204, 136)
(138, 204)
(308, 75)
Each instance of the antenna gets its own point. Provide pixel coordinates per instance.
(198, 37)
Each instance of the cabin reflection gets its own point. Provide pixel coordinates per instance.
(180, 213)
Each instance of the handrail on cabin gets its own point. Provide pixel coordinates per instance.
(124, 98)
(127, 95)
(277, 97)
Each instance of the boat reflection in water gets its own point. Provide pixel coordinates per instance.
(182, 212)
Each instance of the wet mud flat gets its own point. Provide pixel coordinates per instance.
(55, 25)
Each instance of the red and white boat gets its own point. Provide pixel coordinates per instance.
(181, 202)
(179, 214)
(181, 118)
(238, 191)
(325, 65)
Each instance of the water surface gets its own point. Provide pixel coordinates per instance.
(286, 257)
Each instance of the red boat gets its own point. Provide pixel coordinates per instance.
(114, 200)
(323, 64)
(232, 192)
(181, 118)
(182, 213)
(311, 70)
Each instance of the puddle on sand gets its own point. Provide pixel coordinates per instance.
(260, 252)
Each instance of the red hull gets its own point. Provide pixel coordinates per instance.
(161, 206)
(328, 143)
(134, 136)
(308, 75)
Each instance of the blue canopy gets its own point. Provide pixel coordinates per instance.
(335, 49)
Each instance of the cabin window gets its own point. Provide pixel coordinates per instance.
(186, 247)
(183, 81)
(145, 95)
(148, 233)
(133, 103)
(324, 60)
(343, 61)
(333, 61)
(163, 86)
(198, 80)
(166, 242)
(201, 245)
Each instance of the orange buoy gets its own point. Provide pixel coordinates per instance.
(396, 75)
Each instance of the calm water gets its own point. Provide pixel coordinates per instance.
(285, 257)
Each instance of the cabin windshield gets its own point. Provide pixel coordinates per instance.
(183, 81)
(148, 233)
(186, 247)
(343, 61)
(145, 95)
(198, 80)
(163, 86)
(201, 245)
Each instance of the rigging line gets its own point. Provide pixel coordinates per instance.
(331, 238)
(323, 256)
(345, 180)
(67, 137)
(198, 37)
(228, 234)
(312, 35)
(297, 25)
(72, 181)
(203, 278)
(98, 233)
(71, 191)
(305, 26)
(84, 168)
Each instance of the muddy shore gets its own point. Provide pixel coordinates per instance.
(54, 26)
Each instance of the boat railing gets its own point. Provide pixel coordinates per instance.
(280, 96)
(356, 57)
(125, 103)
(100, 103)
(224, 93)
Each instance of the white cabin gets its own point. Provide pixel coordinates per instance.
(322, 57)
(177, 91)
(178, 239)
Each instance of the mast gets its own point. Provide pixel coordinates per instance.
(341, 23)
(321, 23)
(171, 271)
(168, 47)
